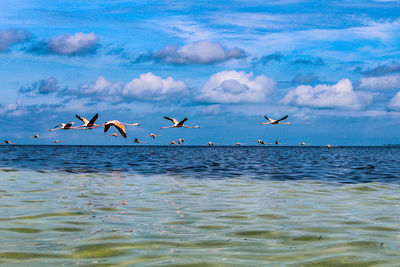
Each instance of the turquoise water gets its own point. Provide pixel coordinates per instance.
(124, 218)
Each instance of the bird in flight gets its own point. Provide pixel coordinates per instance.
(64, 126)
(36, 136)
(7, 142)
(277, 143)
(88, 123)
(58, 141)
(261, 142)
(304, 144)
(177, 124)
(137, 141)
(114, 134)
(180, 141)
(238, 144)
(271, 121)
(210, 144)
(153, 135)
(117, 124)
(329, 146)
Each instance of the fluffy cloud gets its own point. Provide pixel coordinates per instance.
(151, 87)
(10, 37)
(236, 87)
(78, 44)
(147, 87)
(198, 53)
(383, 69)
(388, 82)
(340, 95)
(41, 87)
(394, 103)
(13, 110)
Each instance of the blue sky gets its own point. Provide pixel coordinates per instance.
(333, 67)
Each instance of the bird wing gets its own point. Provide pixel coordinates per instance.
(120, 128)
(69, 125)
(271, 120)
(93, 120)
(174, 121)
(85, 121)
(281, 119)
(106, 127)
(183, 121)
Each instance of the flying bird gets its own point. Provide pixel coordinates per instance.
(58, 141)
(117, 124)
(137, 141)
(304, 144)
(153, 135)
(36, 136)
(277, 143)
(329, 146)
(238, 144)
(88, 124)
(210, 144)
(64, 126)
(114, 134)
(180, 141)
(261, 142)
(7, 142)
(177, 124)
(271, 121)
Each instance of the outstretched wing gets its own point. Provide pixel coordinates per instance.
(121, 128)
(281, 119)
(106, 127)
(69, 125)
(271, 120)
(85, 121)
(93, 120)
(174, 121)
(183, 121)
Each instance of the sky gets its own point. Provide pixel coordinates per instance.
(332, 66)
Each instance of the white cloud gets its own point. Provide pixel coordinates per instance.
(388, 82)
(77, 44)
(339, 95)
(151, 87)
(102, 89)
(394, 103)
(13, 110)
(198, 53)
(10, 37)
(236, 87)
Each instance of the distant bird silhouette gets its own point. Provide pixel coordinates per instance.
(86, 123)
(177, 124)
(210, 144)
(180, 141)
(271, 121)
(114, 134)
(58, 141)
(261, 142)
(8, 142)
(36, 136)
(238, 144)
(153, 135)
(304, 144)
(329, 146)
(137, 141)
(277, 143)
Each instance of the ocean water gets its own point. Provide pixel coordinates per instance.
(199, 206)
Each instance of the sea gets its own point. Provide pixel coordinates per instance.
(199, 206)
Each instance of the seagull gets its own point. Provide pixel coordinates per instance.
(261, 142)
(271, 121)
(88, 124)
(64, 126)
(117, 124)
(177, 124)
(114, 134)
(153, 135)
(137, 141)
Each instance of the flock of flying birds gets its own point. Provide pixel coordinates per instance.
(120, 126)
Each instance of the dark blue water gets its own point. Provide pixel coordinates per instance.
(342, 164)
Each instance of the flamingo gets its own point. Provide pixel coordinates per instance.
(153, 135)
(329, 146)
(277, 143)
(36, 136)
(271, 121)
(238, 144)
(304, 144)
(137, 141)
(117, 124)
(114, 134)
(58, 141)
(8, 142)
(64, 126)
(88, 124)
(261, 142)
(210, 144)
(180, 141)
(177, 124)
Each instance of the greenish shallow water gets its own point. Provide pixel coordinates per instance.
(122, 219)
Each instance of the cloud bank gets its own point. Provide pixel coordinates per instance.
(339, 95)
(236, 87)
(42, 87)
(78, 44)
(387, 82)
(11, 37)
